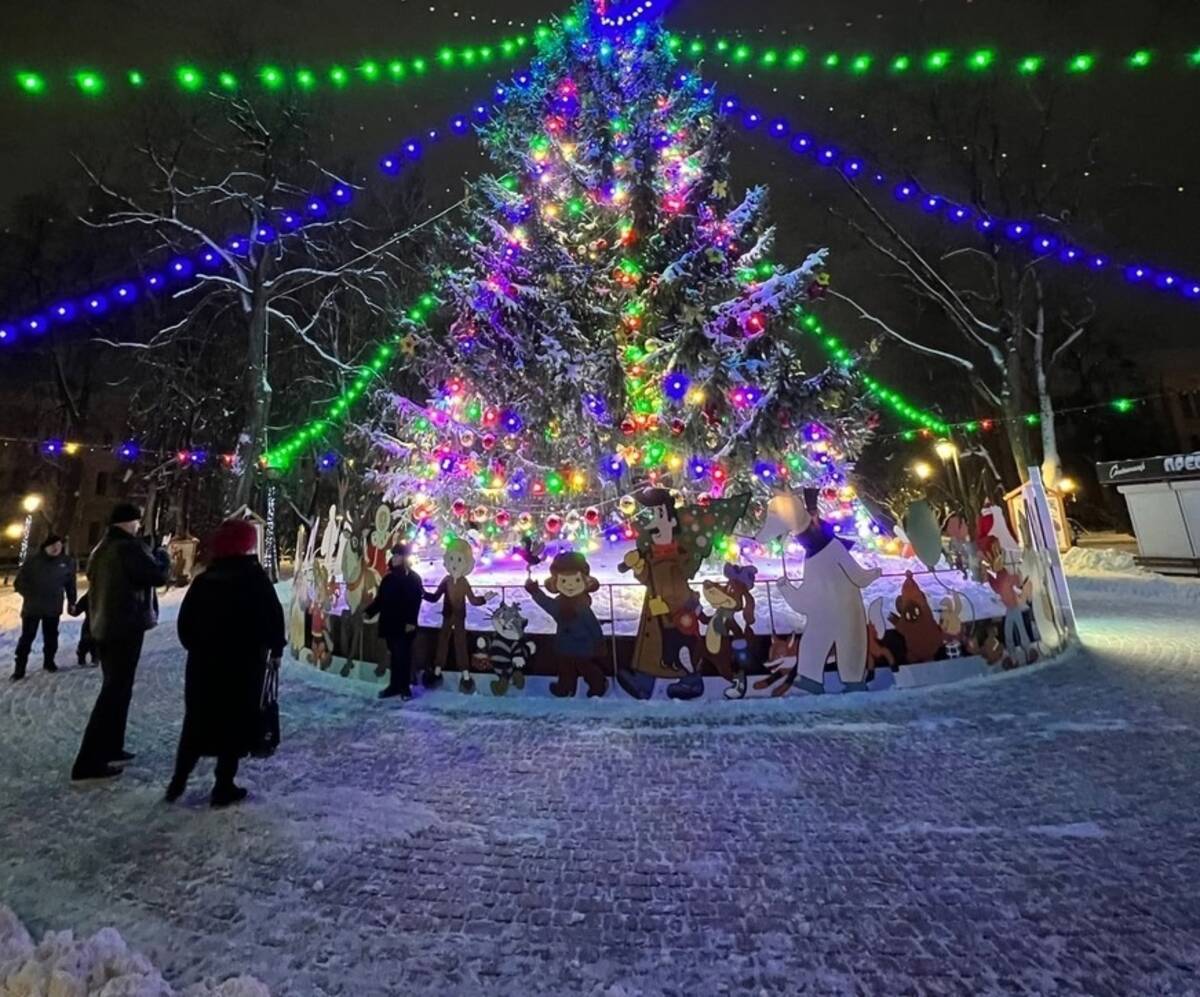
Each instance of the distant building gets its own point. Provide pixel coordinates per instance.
(1178, 373)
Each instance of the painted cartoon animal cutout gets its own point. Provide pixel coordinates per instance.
(956, 638)
(783, 665)
(506, 651)
(915, 622)
(726, 645)
(1014, 592)
(830, 598)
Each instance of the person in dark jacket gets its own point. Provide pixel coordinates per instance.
(43, 581)
(398, 604)
(122, 606)
(231, 624)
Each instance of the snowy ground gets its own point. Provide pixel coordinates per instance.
(1036, 833)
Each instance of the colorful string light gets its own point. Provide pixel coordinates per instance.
(984, 60)
(959, 216)
(280, 456)
(179, 272)
(193, 78)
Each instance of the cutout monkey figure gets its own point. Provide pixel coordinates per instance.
(579, 641)
(830, 598)
(455, 592)
(726, 642)
(668, 555)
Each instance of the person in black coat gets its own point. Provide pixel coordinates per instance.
(231, 624)
(398, 604)
(43, 582)
(122, 605)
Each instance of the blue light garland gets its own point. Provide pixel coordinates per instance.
(956, 214)
(177, 273)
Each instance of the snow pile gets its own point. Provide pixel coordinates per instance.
(1090, 560)
(103, 966)
(1113, 573)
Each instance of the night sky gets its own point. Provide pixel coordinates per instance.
(1145, 125)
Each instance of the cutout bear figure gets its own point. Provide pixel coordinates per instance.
(579, 641)
(507, 650)
(727, 643)
(914, 621)
(455, 592)
(830, 598)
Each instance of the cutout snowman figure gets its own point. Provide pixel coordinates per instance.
(830, 598)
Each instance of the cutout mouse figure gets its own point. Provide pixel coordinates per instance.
(579, 641)
(455, 592)
(726, 642)
(507, 650)
(830, 598)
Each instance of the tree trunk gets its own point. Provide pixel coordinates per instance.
(252, 441)
(1018, 440)
(1051, 464)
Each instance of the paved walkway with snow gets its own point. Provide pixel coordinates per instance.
(1037, 833)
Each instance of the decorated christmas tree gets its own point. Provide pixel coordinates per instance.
(612, 318)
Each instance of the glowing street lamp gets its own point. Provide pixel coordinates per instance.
(1067, 486)
(922, 470)
(31, 504)
(945, 450)
(13, 531)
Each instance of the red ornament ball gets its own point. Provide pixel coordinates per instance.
(553, 524)
(628, 427)
(591, 516)
(488, 440)
(677, 427)
(459, 508)
(503, 518)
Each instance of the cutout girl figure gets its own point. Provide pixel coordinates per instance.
(455, 592)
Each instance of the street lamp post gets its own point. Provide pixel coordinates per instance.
(948, 454)
(30, 504)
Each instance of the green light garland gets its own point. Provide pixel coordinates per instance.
(929, 423)
(934, 62)
(280, 456)
(192, 78)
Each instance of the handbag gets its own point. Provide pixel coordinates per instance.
(266, 740)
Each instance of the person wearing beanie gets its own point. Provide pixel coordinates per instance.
(398, 605)
(43, 582)
(122, 574)
(231, 625)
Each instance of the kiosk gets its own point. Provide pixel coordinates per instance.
(1163, 496)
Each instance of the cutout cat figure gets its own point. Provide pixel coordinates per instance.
(579, 641)
(507, 650)
(726, 642)
(455, 592)
(830, 598)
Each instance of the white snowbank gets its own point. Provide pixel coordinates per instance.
(1102, 571)
(100, 966)
(1088, 560)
